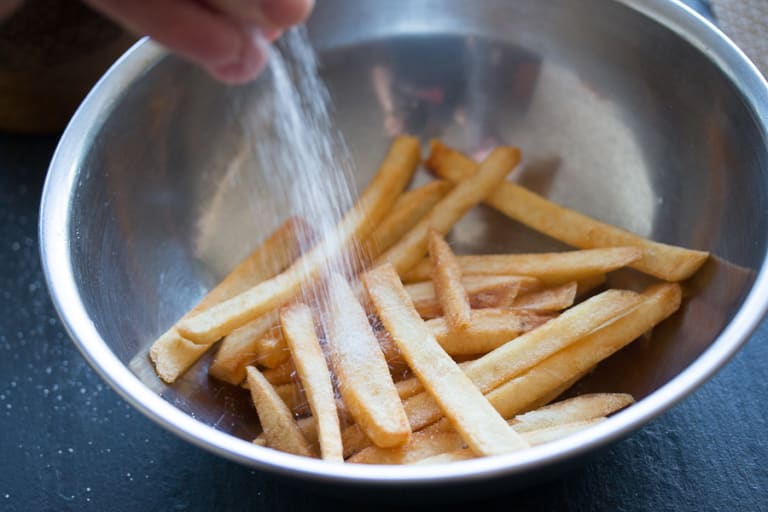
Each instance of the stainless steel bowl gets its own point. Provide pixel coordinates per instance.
(637, 112)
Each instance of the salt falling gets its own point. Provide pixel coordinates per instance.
(305, 158)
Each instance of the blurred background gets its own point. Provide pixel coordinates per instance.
(53, 51)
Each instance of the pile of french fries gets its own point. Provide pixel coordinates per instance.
(418, 355)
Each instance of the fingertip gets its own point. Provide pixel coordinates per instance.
(251, 63)
(284, 13)
(271, 34)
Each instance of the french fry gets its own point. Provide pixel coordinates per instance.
(522, 353)
(445, 458)
(393, 175)
(446, 277)
(488, 329)
(171, 353)
(536, 427)
(466, 194)
(271, 351)
(557, 432)
(280, 429)
(293, 396)
(658, 302)
(554, 393)
(284, 373)
(510, 359)
(406, 213)
(539, 426)
(359, 365)
(308, 427)
(518, 356)
(479, 425)
(550, 268)
(406, 388)
(299, 332)
(483, 291)
(272, 348)
(354, 439)
(581, 408)
(421, 445)
(589, 284)
(411, 386)
(533, 438)
(664, 261)
(550, 299)
(244, 347)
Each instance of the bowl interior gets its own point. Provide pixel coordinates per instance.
(617, 116)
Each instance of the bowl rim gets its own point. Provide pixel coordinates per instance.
(57, 266)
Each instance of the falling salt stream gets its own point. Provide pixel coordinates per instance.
(305, 159)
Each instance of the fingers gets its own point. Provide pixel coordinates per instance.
(284, 13)
(250, 64)
(224, 42)
(266, 13)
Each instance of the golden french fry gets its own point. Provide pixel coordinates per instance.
(522, 353)
(537, 427)
(550, 299)
(550, 268)
(271, 351)
(294, 397)
(284, 373)
(445, 458)
(359, 365)
(406, 388)
(584, 321)
(280, 429)
(484, 291)
(308, 427)
(446, 277)
(589, 284)
(299, 333)
(518, 356)
(555, 432)
(660, 260)
(488, 329)
(516, 395)
(533, 438)
(413, 246)
(479, 425)
(393, 175)
(421, 445)
(555, 393)
(513, 358)
(581, 408)
(406, 213)
(244, 347)
(171, 353)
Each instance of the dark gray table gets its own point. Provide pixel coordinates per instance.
(67, 442)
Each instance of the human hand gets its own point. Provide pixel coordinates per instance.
(229, 38)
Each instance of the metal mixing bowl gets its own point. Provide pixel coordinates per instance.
(636, 112)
